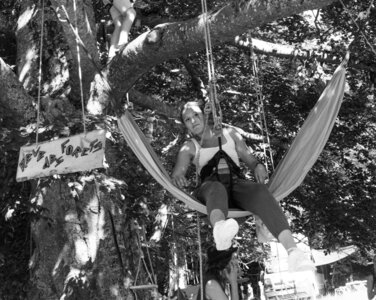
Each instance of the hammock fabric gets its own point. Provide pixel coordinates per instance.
(289, 173)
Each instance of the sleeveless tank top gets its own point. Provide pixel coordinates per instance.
(205, 154)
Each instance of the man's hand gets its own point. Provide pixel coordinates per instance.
(260, 173)
(232, 272)
(180, 181)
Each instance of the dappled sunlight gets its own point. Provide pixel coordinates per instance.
(87, 230)
(74, 230)
(115, 291)
(82, 252)
(94, 107)
(58, 81)
(29, 56)
(62, 258)
(95, 218)
(25, 17)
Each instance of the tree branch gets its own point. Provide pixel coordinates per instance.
(304, 52)
(290, 51)
(168, 111)
(20, 106)
(172, 40)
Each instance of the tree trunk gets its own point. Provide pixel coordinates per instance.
(83, 15)
(27, 44)
(20, 107)
(80, 251)
(79, 243)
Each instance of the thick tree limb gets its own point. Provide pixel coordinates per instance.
(304, 52)
(168, 41)
(168, 111)
(20, 107)
(290, 51)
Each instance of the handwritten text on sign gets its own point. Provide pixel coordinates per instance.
(73, 154)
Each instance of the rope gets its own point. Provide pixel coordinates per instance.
(151, 276)
(143, 287)
(357, 26)
(261, 106)
(116, 244)
(215, 107)
(79, 66)
(37, 191)
(129, 103)
(78, 41)
(150, 262)
(81, 43)
(200, 256)
(206, 112)
(40, 71)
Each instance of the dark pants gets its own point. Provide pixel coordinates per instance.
(246, 195)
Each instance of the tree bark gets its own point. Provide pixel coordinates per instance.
(75, 255)
(27, 45)
(17, 104)
(290, 51)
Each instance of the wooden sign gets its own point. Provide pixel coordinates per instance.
(67, 155)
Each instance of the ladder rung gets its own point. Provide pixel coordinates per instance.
(146, 286)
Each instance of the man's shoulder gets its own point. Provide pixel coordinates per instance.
(190, 146)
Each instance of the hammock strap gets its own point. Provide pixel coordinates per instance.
(207, 111)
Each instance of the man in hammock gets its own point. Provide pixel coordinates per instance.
(216, 157)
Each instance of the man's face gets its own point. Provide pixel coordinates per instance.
(193, 119)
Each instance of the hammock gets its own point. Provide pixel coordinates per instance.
(292, 169)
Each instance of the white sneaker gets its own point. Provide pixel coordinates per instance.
(112, 52)
(298, 261)
(224, 231)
